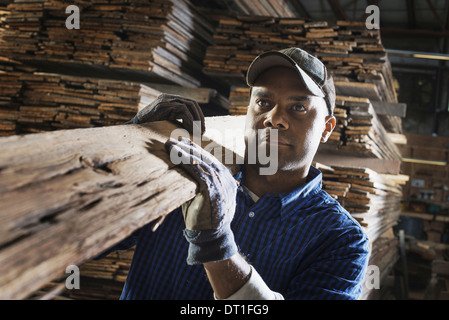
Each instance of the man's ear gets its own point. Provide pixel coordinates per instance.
(328, 128)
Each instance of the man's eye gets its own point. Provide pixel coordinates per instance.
(299, 107)
(263, 103)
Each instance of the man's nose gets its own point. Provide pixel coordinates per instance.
(276, 119)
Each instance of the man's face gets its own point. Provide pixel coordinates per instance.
(279, 100)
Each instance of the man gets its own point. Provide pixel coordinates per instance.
(256, 236)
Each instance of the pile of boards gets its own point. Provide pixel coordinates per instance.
(371, 198)
(359, 129)
(157, 38)
(99, 280)
(102, 73)
(32, 101)
(103, 279)
(383, 258)
(353, 54)
(35, 101)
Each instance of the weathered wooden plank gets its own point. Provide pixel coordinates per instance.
(69, 195)
(390, 109)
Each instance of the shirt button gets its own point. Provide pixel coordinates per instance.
(251, 214)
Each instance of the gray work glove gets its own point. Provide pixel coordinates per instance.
(171, 107)
(208, 216)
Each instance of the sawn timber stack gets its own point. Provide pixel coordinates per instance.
(157, 39)
(354, 55)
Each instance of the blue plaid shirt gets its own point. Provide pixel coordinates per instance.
(302, 243)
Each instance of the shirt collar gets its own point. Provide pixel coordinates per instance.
(299, 195)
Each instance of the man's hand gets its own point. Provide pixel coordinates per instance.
(172, 107)
(208, 216)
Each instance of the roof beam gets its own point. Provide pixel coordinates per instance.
(411, 14)
(338, 10)
(435, 13)
(300, 8)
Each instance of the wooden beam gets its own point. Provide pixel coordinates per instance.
(200, 95)
(358, 89)
(390, 109)
(68, 195)
(328, 155)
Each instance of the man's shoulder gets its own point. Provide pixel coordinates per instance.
(335, 214)
(338, 228)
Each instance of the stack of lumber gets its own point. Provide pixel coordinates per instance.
(121, 58)
(360, 129)
(113, 267)
(239, 98)
(4, 12)
(371, 198)
(103, 279)
(354, 55)
(237, 41)
(10, 88)
(34, 101)
(161, 39)
(99, 280)
(384, 255)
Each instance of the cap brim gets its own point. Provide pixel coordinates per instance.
(278, 59)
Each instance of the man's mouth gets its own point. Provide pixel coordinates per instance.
(270, 139)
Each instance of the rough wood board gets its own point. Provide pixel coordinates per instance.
(390, 109)
(357, 89)
(69, 195)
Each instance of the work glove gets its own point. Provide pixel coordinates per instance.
(172, 107)
(209, 214)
